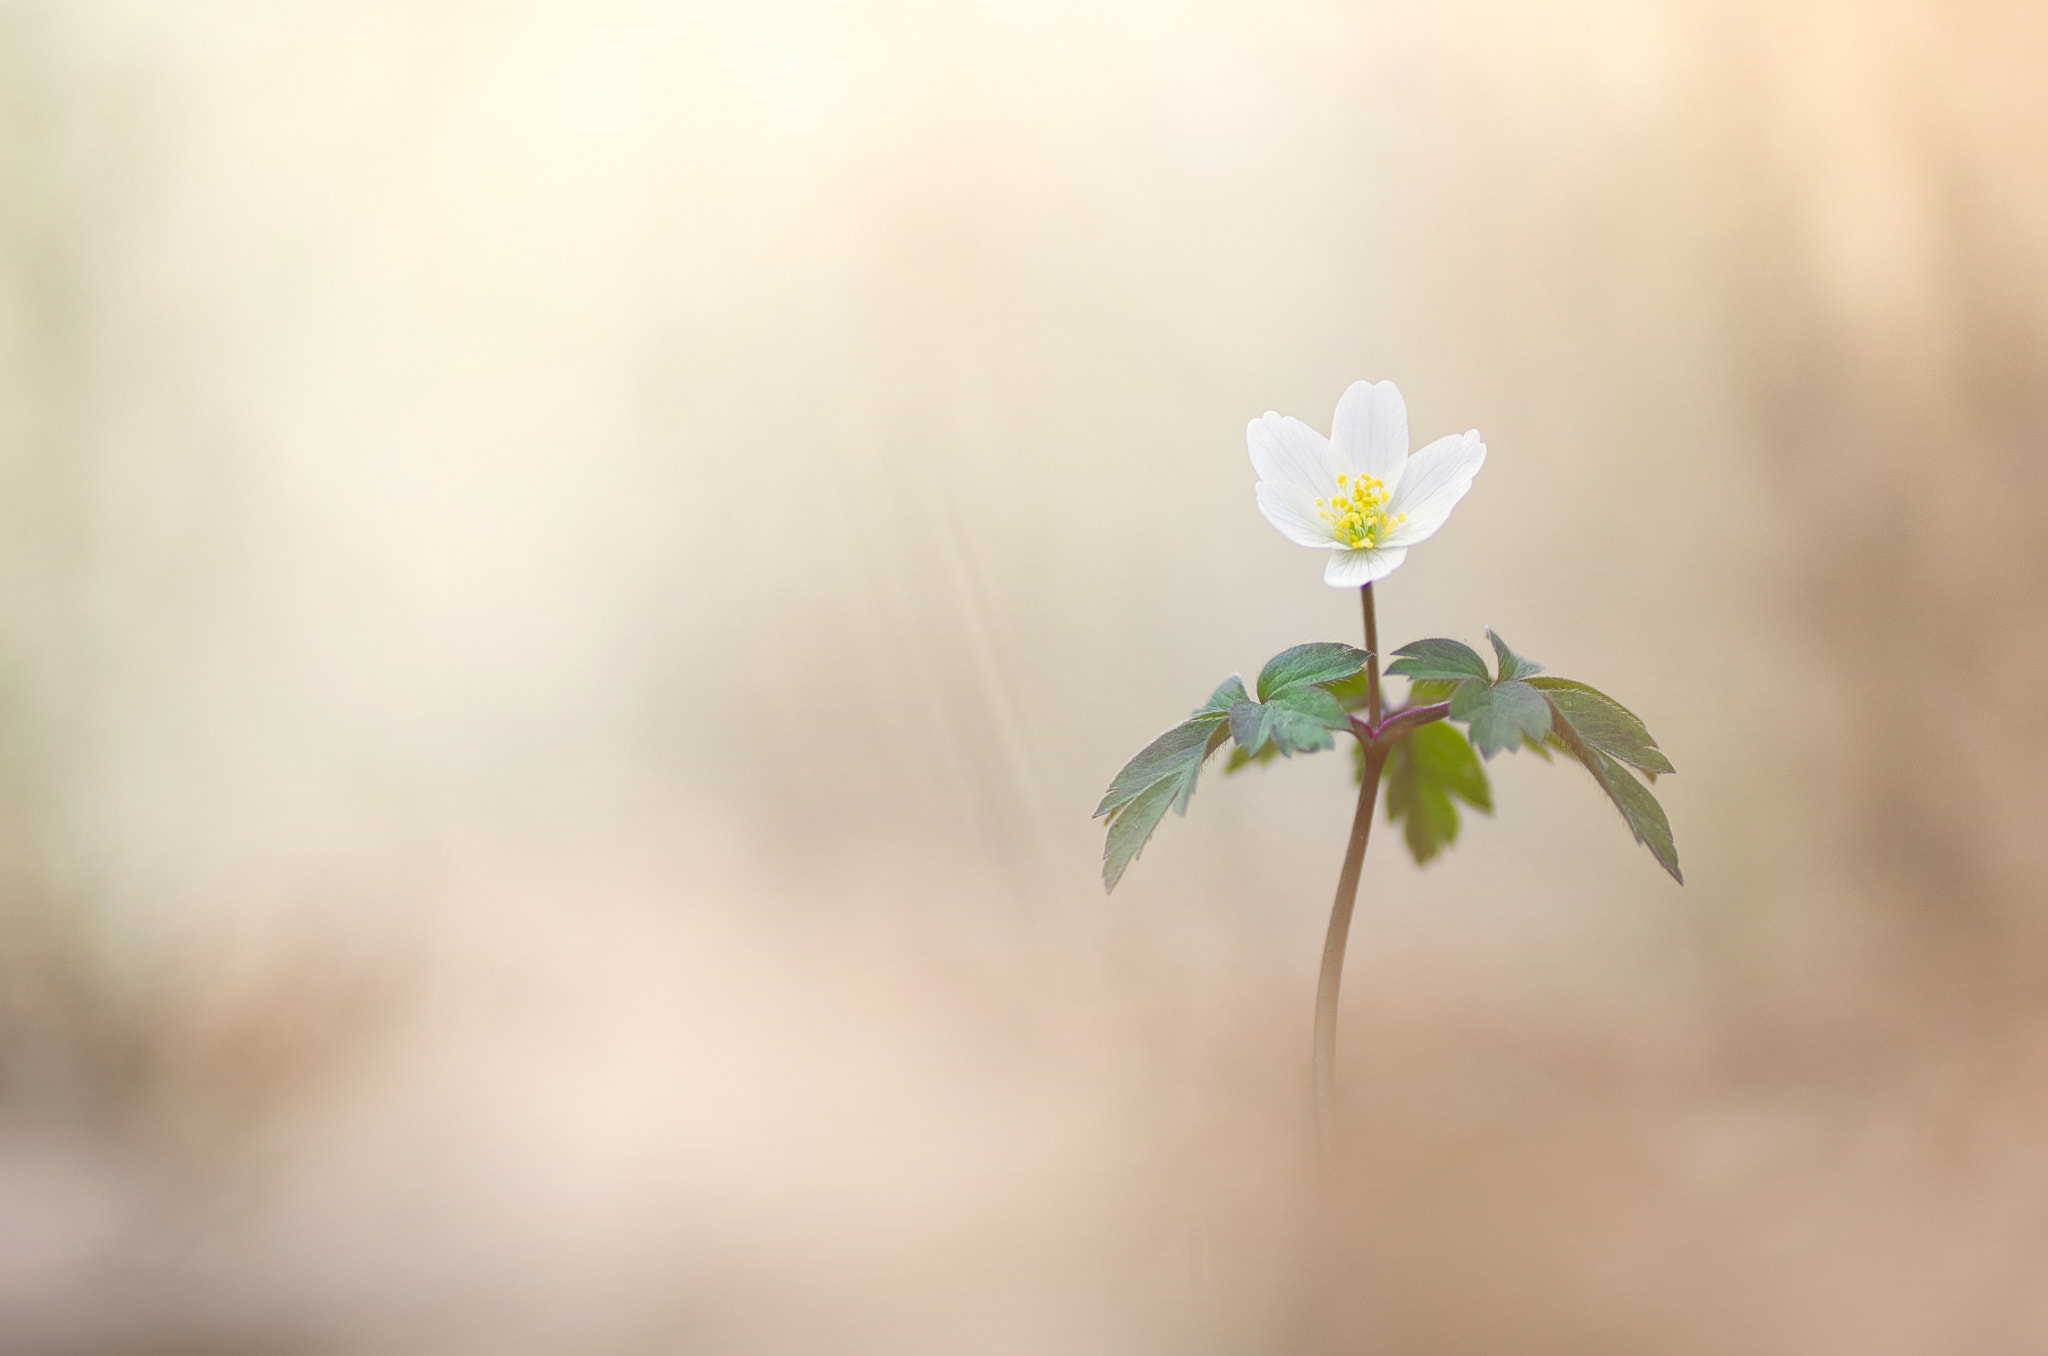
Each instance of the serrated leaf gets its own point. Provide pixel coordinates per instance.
(1219, 734)
(1604, 723)
(1438, 658)
(1162, 776)
(1425, 770)
(1296, 720)
(1130, 828)
(1297, 716)
(1319, 661)
(1512, 665)
(1248, 727)
(1646, 818)
(1313, 703)
(1502, 716)
(1228, 693)
(1167, 756)
(1639, 809)
(1467, 698)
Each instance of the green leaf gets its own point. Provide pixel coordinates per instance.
(1604, 723)
(1198, 736)
(1228, 693)
(1502, 716)
(1603, 735)
(1425, 769)
(1319, 661)
(1512, 665)
(1162, 775)
(1296, 720)
(1296, 712)
(1517, 710)
(1130, 828)
(1296, 715)
(1438, 658)
(1646, 819)
(1313, 703)
(1248, 727)
(1219, 734)
(1170, 755)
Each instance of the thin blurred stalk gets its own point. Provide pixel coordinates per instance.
(1324, 1063)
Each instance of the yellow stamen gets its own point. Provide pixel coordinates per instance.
(1360, 519)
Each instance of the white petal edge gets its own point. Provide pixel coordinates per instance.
(1370, 431)
(1437, 477)
(1355, 569)
(1290, 452)
(1293, 510)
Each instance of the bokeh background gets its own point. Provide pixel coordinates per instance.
(570, 573)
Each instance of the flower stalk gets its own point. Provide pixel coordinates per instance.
(1331, 981)
(1376, 739)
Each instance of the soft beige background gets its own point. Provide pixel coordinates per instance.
(571, 572)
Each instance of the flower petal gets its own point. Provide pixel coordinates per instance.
(1293, 510)
(1370, 432)
(1352, 569)
(1435, 480)
(1290, 452)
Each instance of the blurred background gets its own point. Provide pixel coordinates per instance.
(570, 574)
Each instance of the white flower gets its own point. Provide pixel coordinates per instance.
(1357, 493)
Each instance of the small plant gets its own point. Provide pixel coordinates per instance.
(1360, 496)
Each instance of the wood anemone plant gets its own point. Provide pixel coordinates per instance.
(1359, 495)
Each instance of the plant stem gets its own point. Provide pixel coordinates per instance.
(1372, 663)
(1324, 1063)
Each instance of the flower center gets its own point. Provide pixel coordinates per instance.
(1358, 515)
